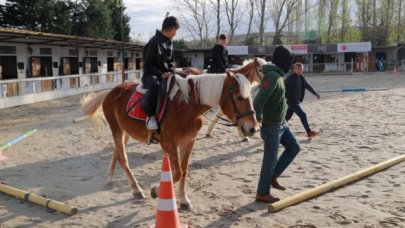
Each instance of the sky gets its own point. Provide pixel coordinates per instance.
(147, 16)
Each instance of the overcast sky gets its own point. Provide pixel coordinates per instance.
(147, 16)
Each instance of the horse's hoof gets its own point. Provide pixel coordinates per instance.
(186, 207)
(153, 193)
(138, 194)
(246, 139)
(208, 135)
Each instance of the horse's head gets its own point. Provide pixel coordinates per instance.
(258, 64)
(252, 69)
(236, 103)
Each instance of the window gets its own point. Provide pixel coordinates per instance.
(8, 50)
(45, 51)
(72, 52)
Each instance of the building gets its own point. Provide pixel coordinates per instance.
(339, 57)
(45, 66)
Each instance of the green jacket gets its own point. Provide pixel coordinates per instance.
(270, 104)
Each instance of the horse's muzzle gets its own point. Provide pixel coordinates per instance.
(253, 130)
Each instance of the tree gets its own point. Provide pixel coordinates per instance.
(93, 19)
(233, 15)
(332, 19)
(26, 14)
(216, 5)
(261, 13)
(251, 6)
(180, 44)
(194, 17)
(62, 18)
(119, 20)
(345, 20)
(281, 14)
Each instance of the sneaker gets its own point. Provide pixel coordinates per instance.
(312, 134)
(151, 123)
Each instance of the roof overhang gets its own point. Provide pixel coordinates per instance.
(40, 38)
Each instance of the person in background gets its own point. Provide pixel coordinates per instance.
(270, 107)
(219, 62)
(295, 85)
(158, 58)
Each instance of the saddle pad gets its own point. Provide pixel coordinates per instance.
(135, 111)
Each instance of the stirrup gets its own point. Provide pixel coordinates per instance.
(151, 137)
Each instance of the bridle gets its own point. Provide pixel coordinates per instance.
(258, 73)
(239, 115)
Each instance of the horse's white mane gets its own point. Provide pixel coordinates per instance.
(207, 87)
(247, 61)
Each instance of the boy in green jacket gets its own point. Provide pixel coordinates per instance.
(270, 107)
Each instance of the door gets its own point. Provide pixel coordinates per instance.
(90, 66)
(42, 67)
(381, 60)
(70, 66)
(8, 70)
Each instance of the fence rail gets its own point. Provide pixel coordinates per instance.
(15, 92)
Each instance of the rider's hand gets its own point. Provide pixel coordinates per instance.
(165, 75)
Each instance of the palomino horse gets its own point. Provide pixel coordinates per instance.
(252, 69)
(189, 99)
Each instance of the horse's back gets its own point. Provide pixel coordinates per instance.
(117, 99)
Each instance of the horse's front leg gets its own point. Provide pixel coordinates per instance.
(174, 165)
(214, 121)
(185, 151)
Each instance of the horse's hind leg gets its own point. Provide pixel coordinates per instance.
(185, 151)
(120, 155)
(214, 121)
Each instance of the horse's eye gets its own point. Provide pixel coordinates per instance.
(240, 98)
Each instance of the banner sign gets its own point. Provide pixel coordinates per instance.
(237, 50)
(354, 47)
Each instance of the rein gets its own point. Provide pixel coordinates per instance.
(223, 119)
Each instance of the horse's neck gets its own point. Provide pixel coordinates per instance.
(201, 89)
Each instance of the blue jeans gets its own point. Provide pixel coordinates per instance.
(272, 136)
(294, 106)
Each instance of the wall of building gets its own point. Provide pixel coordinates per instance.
(24, 52)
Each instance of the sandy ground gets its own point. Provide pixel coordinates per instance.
(68, 162)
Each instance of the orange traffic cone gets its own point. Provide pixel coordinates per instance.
(166, 214)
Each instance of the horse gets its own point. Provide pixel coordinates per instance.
(252, 69)
(189, 98)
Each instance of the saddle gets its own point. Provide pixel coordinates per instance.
(135, 104)
(134, 107)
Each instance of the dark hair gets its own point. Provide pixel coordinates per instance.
(222, 37)
(169, 23)
(283, 58)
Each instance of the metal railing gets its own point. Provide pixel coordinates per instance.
(14, 92)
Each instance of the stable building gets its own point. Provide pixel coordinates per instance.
(52, 65)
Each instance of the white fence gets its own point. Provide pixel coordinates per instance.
(31, 90)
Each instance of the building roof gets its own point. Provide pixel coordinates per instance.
(41, 38)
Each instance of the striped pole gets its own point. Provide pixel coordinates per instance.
(33, 198)
(166, 214)
(352, 90)
(16, 140)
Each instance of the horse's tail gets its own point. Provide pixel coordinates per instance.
(91, 106)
